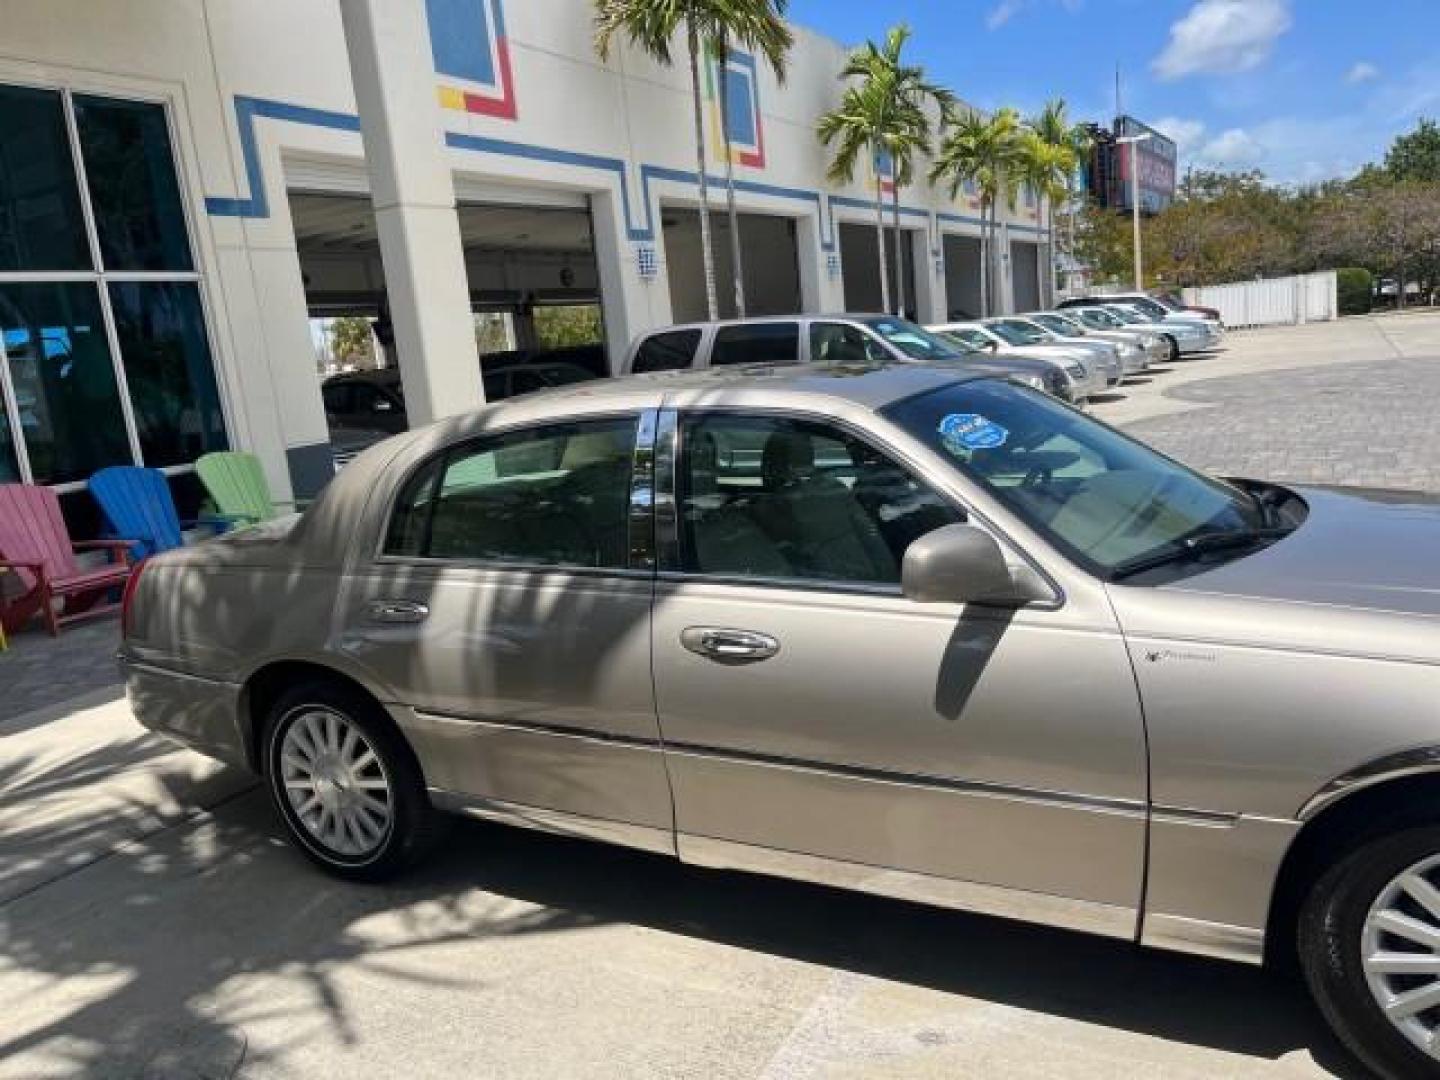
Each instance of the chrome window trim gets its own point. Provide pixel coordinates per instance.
(668, 478)
(641, 529)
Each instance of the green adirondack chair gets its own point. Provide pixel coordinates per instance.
(237, 487)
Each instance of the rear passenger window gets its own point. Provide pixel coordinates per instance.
(552, 496)
(673, 350)
(756, 343)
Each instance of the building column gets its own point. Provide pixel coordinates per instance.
(634, 295)
(821, 288)
(414, 199)
(930, 302)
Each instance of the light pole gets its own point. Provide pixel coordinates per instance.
(1133, 142)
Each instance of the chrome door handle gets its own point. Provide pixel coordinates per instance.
(397, 611)
(725, 644)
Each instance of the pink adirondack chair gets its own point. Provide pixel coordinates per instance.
(36, 547)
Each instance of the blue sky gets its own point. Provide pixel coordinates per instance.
(1302, 89)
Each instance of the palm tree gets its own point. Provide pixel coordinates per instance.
(1046, 168)
(985, 152)
(757, 25)
(883, 113)
(1053, 126)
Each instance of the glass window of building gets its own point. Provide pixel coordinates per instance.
(105, 354)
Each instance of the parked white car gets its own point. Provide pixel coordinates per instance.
(1087, 376)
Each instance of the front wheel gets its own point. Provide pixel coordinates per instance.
(345, 784)
(1369, 940)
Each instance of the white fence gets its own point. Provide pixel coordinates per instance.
(1274, 302)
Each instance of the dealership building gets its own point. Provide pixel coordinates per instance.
(184, 192)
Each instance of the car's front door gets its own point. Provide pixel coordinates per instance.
(820, 724)
(510, 613)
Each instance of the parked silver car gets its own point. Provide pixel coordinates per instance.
(1023, 330)
(898, 628)
(1087, 376)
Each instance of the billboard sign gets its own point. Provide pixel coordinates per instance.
(1157, 157)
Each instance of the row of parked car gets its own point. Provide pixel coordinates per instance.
(1080, 350)
(1076, 352)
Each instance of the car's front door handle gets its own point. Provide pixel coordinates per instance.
(397, 611)
(727, 645)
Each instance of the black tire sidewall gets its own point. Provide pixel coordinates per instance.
(1331, 925)
(410, 807)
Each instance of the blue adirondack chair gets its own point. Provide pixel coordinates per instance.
(137, 505)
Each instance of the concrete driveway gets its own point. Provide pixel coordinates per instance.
(154, 924)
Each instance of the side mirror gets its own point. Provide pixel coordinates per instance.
(962, 564)
(993, 346)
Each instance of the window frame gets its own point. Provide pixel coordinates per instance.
(640, 562)
(99, 277)
(670, 460)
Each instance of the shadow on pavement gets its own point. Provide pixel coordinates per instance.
(172, 919)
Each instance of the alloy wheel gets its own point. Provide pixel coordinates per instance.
(335, 783)
(1400, 953)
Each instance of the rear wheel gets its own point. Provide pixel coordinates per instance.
(345, 784)
(1369, 941)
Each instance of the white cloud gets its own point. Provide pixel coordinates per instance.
(1006, 10)
(1362, 72)
(1187, 134)
(1223, 37)
(1233, 148)
(1002, 13)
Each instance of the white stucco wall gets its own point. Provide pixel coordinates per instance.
(257, 87)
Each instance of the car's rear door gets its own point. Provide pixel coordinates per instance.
(508, 604)
(818, 723)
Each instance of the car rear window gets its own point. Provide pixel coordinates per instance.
(756, 343)
(673, 350)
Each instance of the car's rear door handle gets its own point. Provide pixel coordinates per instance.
(727, 645)
(397, 611)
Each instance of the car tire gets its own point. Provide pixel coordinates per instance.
(1174, 348)
(1338, 932)
(345, 784)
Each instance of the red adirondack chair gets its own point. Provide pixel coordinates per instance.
(36, 547)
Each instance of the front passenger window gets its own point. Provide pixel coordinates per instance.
(776, 497)
(552, 496)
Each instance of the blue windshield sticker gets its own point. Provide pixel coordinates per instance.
(965, 432)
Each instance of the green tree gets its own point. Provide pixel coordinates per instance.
(757, 25)
(651, 25)
(1416, 156)
(351, 341)
(883, 114)
(986, 152)
(558, 326)
(1056, 169)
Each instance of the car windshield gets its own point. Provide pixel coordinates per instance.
(915, 341)
(1099, 319)
(1026, 333)
(968, 336)
(1150, 307)
(1056, 325)
(1104, 500)
(1124, 315)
